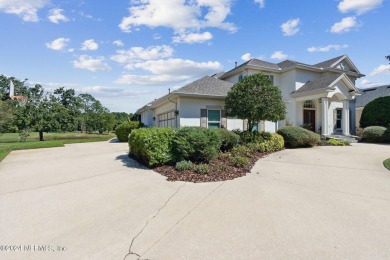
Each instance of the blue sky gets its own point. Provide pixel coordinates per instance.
(127, 53)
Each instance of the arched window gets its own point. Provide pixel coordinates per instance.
(309, 104)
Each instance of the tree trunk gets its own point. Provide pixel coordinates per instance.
(41, 135)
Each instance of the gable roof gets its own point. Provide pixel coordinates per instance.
(368, 95)
(289, 64)
(206, 86)
(322, 84)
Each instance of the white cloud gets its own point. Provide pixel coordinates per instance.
(260, 2)
(358, 6)
(279, 55)
(247, 56)
(89, 45)
(193, 37)
(327, 48)
(149, 80)
(136, 54)
(118, 43)
(27, 9)
(345, 25)
(290, 27)
(181, 16)
(365, 82)
(92, 64)
(381, 69)
(55, 16)
(187, 68)
(58, 44)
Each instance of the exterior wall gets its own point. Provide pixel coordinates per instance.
(233, 124)
(189, 109)
(147, 118)
(359, 111)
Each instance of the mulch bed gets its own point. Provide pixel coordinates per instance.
(229, 172)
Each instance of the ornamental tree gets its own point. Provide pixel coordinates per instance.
(255, 99)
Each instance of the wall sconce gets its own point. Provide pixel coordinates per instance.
(177, 112)
(154, 118)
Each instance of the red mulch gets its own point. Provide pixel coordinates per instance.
(216, 174)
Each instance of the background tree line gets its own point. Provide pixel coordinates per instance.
(59, 111)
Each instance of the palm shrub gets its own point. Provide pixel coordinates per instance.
(295, 136)
(196, 144)
(152, 145)
(123, 130)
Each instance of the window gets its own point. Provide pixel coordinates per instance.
(271, 77)
(309, 104)
(240, 78)
(213, 118)
(167, 120)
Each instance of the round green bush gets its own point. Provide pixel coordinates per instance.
(152, 145)
(196, 144)
(228, 139)
(295, 136)
(376, 113)
(374, 134)
(123, 130)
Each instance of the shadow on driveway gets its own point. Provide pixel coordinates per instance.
(131, 163)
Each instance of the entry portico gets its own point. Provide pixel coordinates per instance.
(330, 96)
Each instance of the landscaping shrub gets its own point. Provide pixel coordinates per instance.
(275, 143)
(374, 134)
(240, 161)
(183, 165)
(152, 145)
(202, 168)
(376, 113)
(295, 136)
(123, 130)
(228, 139)
(247, 137)
(243, 151)
(335, 142)
(196, 144)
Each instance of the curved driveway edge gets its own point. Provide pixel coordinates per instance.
(89, 201)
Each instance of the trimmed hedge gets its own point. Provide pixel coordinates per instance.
(123, 130)
(152, 145)
(196, 144)
(275, 143)
(228, 139)
(376, 134)
(376, 113)
(295, 136)
(247, 137)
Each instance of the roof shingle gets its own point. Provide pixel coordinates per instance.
(317, 84)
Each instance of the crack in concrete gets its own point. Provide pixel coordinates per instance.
(186, 215)
(147, 223)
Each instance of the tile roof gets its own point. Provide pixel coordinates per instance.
(370, 94)
(317, 84)
(206, 86)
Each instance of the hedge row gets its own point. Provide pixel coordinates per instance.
(123, 130)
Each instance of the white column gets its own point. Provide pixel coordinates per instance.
(345, 118)
(324, 116)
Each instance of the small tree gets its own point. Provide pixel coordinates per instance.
(376, 113)
(255, 99)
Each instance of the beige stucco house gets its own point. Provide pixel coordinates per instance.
(316, 94)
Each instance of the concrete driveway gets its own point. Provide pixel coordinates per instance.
(89, 201)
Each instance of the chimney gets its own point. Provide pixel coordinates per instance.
(11, 89)
(236, 64)
(169, 91)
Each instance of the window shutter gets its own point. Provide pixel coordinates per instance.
(223, 119)
(203, 118)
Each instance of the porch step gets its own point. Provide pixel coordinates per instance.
(351, 138)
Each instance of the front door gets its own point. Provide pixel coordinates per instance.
(309, 119)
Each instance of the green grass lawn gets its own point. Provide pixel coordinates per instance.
(386, 163)
(9, 141)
